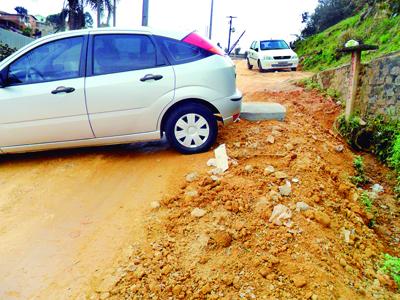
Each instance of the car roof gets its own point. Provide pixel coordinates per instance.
(145, 30)
(178, 35)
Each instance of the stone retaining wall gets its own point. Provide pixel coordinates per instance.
(379, 86)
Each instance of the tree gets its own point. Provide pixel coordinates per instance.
(88, 20)
(21, 10)
(58, 20)
(76, 16)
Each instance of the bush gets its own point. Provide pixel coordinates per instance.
(6, 51)
(382, 135)
(391, 266)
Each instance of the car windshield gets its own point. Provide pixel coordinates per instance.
(273, 45)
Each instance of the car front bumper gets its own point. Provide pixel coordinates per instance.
(279, 64)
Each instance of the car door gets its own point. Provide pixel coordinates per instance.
(129, 85)
(43, 99)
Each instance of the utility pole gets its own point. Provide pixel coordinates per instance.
(115, 13)
(211, 19)
(145, 13)
(230, 31)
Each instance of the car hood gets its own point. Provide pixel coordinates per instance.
(281, 52)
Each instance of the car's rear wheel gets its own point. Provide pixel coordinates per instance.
(191, 128)
(260, 68)
(249, 66)
(294, 69)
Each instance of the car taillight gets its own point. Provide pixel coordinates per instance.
(197, 40)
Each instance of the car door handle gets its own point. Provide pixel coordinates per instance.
(151, 77)
(63, 89)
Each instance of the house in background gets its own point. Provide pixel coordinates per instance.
(17, 22)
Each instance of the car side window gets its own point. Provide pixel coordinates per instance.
(122, 52)
(179, 52)
(56, 60)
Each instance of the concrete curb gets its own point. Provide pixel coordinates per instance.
(257, 111)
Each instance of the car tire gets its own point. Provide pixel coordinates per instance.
(260, 69)
(249, 66)
(191, 128)
(294, 69)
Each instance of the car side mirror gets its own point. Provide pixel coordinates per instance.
(256, 49)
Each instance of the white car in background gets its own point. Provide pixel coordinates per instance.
(271, 55)
(110, 86)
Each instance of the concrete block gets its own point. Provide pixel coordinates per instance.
(257, 111)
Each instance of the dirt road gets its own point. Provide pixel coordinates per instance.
(77, 221)
(66, 214)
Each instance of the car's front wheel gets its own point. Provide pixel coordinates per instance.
(294, 69)
(191, 128)
(249, 66)
(260, 68)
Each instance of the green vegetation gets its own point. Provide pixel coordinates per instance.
(359, 179)
(310, 84)
(379, 135)
(319, 52)
(366, 201)
(391, 266)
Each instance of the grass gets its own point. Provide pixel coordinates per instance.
(391, 266)
(366, 201)
(319, 52)
(359, 179)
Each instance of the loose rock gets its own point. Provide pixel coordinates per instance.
(322, 218)
(269, 170)
(155, 204)
(302, 206)
(248, 168)
(191, 177)
(198, 212)
(270, 139)
(299, 281)
(222, 239)
(286, 189)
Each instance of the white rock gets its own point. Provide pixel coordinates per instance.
(377, 188)
(155, 204)
(192, 193)
(221, 157)
(270, 139)
(192, 176)
(302, 206)
(339, 148)
(248, 168)
(295, 180)
(198, 212)
(280, 213)
(269, 170)
(285, 189)
(212, 162)
(216, 171)
(214, 178)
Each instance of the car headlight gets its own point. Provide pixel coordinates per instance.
(294, 56)
(268, 58)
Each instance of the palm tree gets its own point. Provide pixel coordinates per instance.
(102, 6)
(76, 15)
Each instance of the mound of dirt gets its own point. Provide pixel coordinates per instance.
(321, 248)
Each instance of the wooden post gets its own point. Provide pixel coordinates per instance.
(354, 74)
(353, 84)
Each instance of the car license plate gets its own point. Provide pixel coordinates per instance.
(283, 63)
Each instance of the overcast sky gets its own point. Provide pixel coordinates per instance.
(262, 19)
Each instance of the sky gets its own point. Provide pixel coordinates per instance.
(262, 19)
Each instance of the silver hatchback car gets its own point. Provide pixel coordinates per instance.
(111, 86)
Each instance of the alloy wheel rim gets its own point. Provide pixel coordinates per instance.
(192, 130)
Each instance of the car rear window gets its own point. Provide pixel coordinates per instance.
(122, 52)
(179, 52)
